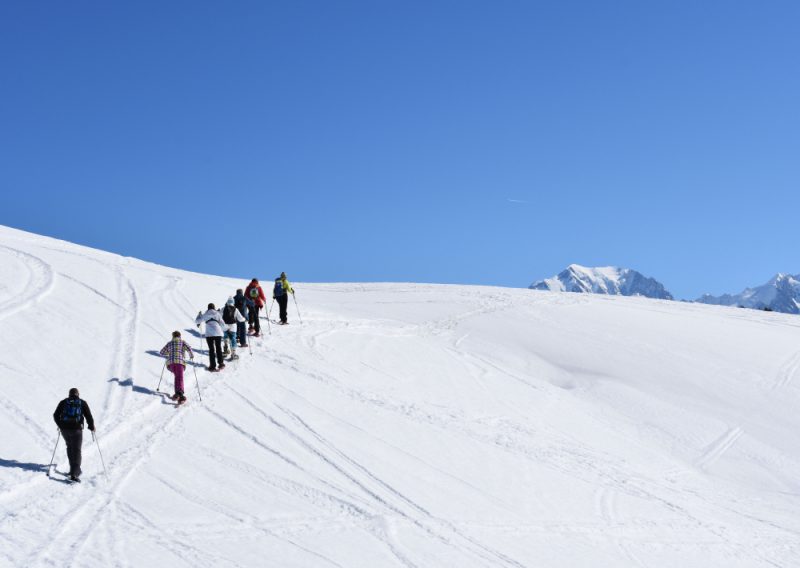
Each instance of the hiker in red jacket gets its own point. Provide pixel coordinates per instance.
(256, 294)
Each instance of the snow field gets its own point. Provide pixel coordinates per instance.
(401, 425)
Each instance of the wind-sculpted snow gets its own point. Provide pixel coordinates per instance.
(400, 425)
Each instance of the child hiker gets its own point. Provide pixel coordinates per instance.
(176, 363)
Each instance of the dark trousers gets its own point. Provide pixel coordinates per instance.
(283, 301)
(214, 351)
(241, 331)
(74, 440)
(254, 318)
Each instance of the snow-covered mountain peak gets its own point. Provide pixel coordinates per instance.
(781, 293)
(610, 280)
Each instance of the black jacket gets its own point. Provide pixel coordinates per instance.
(240, 302)
(86, 413)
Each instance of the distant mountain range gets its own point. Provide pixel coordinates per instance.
(780, 294)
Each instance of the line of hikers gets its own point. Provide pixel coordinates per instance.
(228, 323)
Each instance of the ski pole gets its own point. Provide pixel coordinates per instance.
(52, 459)
(269, 326)
(162, 376)
(102, 461)
(298, 309)
(269, 313)
(250, 348)
(197, 382)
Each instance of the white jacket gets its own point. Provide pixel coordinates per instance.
(213, 321)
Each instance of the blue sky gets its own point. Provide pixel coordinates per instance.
(436, 141)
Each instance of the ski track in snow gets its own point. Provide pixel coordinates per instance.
(718, 448)
(40, 281)
(565, 456)
(384, 495)
(787, 372)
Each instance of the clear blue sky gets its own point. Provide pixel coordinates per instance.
(436, 141)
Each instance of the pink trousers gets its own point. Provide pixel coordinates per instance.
(177, 370)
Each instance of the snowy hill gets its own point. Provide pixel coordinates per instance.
(400, 425)
(603, 280)
(780, 294)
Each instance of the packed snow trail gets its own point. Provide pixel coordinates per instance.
(400, 425)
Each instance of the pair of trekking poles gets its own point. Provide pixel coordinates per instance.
(299, 317)
(196, 381)
(94, 439)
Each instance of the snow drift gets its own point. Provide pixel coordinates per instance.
(399, 425)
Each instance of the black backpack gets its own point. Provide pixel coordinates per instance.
(72, 413)
(228, 314)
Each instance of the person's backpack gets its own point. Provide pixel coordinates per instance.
(278, 290)
(72, 413)
(228, 314)
(254, 293)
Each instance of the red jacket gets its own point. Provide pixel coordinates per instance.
(261, 300)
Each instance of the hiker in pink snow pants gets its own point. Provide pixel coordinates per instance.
(176, 363)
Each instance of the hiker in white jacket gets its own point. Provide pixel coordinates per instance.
(231, 317)
(215, 327)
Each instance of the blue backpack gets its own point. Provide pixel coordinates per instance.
(72, 414)
(278, 290)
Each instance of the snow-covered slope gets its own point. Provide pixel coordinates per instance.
(780, 294)
(603, 280)
(399, 425)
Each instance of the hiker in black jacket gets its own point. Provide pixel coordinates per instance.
(69, 416)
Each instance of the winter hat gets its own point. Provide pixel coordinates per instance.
(73, 392)
(211, 307)
(230, 301)
(283, 276)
